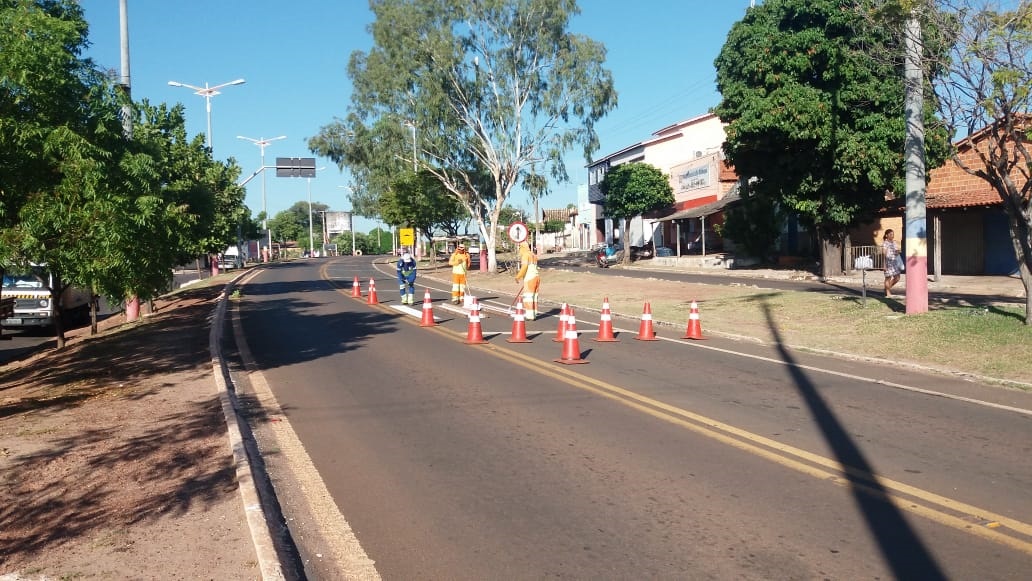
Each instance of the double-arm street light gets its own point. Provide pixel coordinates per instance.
(207, 92)
(261, 143)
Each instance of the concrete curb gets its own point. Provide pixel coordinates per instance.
(257, 520)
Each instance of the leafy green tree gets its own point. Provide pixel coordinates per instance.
(292, 224)
(101, 211)
(61, 145)
(814, 117)
(422, 202)
(371, 153)
(490, 87)
(754, 224)
(631, 189)
(378, 241)
(44, 83)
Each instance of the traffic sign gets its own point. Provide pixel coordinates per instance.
(518, 232)
(407, 236)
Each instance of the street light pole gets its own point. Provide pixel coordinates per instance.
(261, 143)
(311, 236)
(207, 92)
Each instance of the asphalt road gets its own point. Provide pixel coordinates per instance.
(656, 459)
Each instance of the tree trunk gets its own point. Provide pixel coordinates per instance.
(1026, 280)
(831, 258)
(55, 299)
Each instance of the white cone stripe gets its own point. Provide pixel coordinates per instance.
(606, 317)
(646, 317)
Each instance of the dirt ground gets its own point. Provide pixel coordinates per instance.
(114, 456)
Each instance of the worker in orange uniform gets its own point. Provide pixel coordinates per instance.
(459, 262)
(530, 276)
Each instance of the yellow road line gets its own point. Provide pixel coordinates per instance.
(942, 510)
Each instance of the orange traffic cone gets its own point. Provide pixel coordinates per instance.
(356, 288)
(571, 345)
(645, 331)
(428, 311)
(519, 327)
(372, 293)
(694, 324)
(474, 334)
(605, 328)
(561, 330)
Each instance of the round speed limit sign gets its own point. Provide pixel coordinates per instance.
(518, 232)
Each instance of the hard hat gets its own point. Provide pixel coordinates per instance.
(406, 257)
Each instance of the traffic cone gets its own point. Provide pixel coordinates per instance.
(571, 345)
(474, 334)
(372, 300)
(428, 311)
(519, 327)
(605, 328)
(356, 288)
(561, 330)
(694, 324)
(645, 331)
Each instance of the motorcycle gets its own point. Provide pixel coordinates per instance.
(606, 255)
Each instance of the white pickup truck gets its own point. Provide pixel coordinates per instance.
(33, 299)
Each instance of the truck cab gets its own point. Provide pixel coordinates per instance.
(31, 289)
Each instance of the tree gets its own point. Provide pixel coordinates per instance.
(631, 189)
(61, 146)
(292, 223)
(754, 224)
(491, 87)
(101, 211)
(814, 117)
(420, 201)
(984, 96)
(371, 155)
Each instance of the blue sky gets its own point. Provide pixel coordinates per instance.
(293, 56)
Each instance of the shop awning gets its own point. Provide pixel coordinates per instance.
(703, 210)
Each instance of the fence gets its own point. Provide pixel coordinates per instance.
(873, 251)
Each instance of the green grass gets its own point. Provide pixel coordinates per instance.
(985, 341)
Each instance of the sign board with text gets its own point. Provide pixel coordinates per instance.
(338, 222)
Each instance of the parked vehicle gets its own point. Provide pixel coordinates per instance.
(34, 305)
(607, 255)
(231, 259)
(646, 251)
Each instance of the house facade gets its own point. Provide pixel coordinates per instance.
(689, 152)
(968, 231)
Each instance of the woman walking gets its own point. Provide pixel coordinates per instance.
(893, 262)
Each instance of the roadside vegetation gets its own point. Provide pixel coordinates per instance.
(982, 339)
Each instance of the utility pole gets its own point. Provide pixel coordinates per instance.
(915, 220)
(132, 304)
